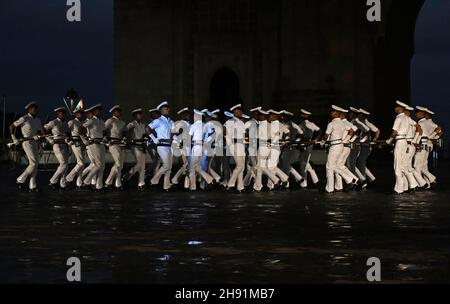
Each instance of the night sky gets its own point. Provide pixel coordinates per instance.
(42, 54)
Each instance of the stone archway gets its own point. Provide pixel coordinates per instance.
(224, 89)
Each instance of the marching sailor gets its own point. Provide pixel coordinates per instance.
(75, 126)
(59, 130)
(431, 131)
(359, 138)
(263, 152)
(366, 149)
(288, 155)
(136, 133)
(309, 128)
(95, 127)
(348, 143)
(399, 133)
(226, 158)
(31, 128)
(115, 128)
(234, 136)
(413, 138)
(196, 133)
(251, 128)
(213, 143)
(276, 134)
(163, 127)
(183, 141)
(334, 134)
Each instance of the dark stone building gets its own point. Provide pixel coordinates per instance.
(287, 53)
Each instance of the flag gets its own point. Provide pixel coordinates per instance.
(80, 105)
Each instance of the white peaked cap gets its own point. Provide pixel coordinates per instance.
(153, 110)
(217, 111)
(136, 111)
(60, 109)
(211, 114)
(263, 112)
(204, 111)
(355, 110)
(245, 116)
(272, 111)
(255, 109)
(430, 112)
(162, 104)
(339, 109)
(197, 112)
(409, 108)
(236, 107)
(287, 113)
(116, 107)
(402, 104)
(364, 112)
(305, 112)
(183, 110)
(423, 109)
(30, 105)
(94, 107)
(228, 114)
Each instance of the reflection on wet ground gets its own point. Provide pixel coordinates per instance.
(218, 237)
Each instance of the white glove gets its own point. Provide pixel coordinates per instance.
(14, 138)
(36, 137)
(390, 141)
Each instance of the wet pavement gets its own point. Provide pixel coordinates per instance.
(219, 237)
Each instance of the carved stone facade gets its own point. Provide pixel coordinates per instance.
(308, 53)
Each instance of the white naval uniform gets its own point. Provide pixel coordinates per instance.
(213, 142)
(163, 127)
(76, 145)
(183, 141)
(196, 132)
(137, 132)
(96, 127)
(364, 154)
(263, 156)
(29, 127)
(336, 130)
(422, 156)
(59, 129)
(402, 124)
(410, 181)
(288, 155)
(342, 159)
(277, 131)
(252, 163)
(235, 134)
(305, 156)
(115, 128)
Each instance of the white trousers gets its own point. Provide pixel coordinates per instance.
(115, 175)
(166, 157)
(272, 164)
(237, 177)
(196, 168)
(421, 166)
(342, 160)
(183, 170)
(334, 168)
(98, 166)
(62, 155)
(77, 171)
(32, 153)
(263, 168)
(139, 167)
